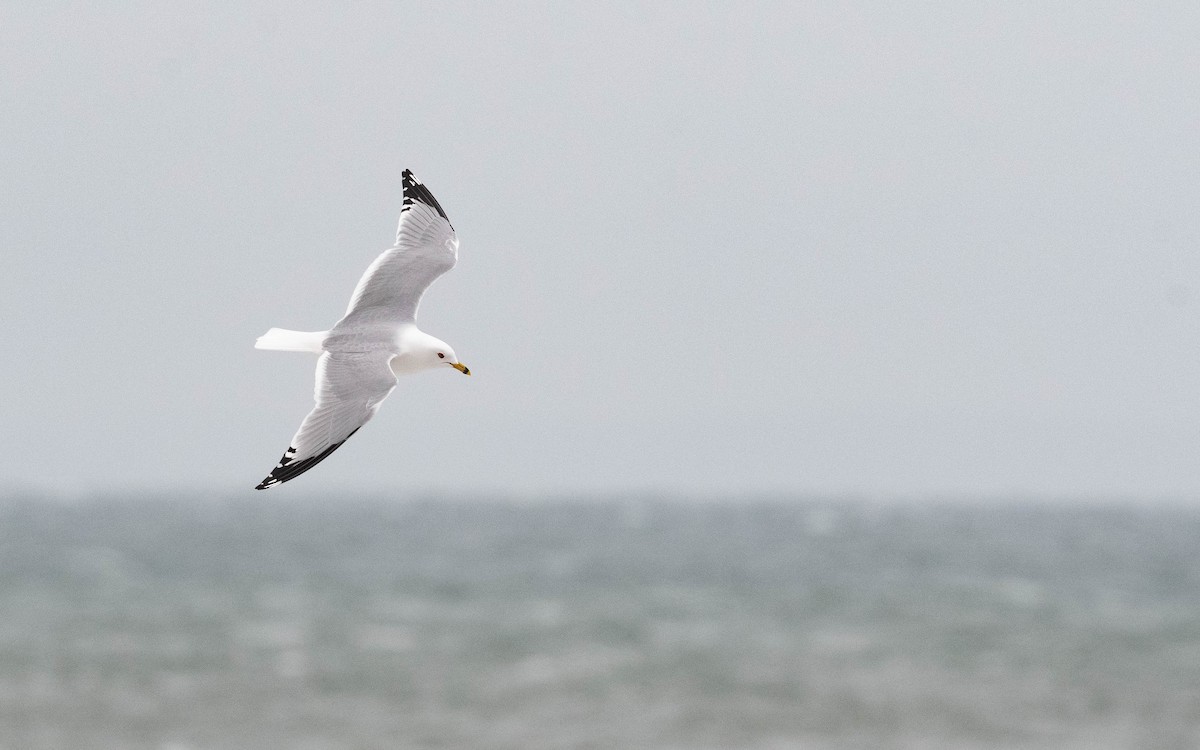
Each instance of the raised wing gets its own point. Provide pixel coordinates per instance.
(426, 247)
(350, 387)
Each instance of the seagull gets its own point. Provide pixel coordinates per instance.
(376, 340)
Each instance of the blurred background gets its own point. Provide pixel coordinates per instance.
(833, 376)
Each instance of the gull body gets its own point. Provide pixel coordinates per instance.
(376, 340)
(412, 349)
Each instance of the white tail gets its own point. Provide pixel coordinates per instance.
(283, 340)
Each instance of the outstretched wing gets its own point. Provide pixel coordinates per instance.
(426, 247)
(350, 387)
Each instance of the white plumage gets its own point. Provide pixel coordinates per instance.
(376, 340)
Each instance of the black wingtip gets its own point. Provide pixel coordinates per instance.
(289, 469)
(415, 192)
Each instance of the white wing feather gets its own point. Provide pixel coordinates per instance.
(391, 289)
(350, 388)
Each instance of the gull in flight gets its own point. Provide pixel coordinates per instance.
(376, 340)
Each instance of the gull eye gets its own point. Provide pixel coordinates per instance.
(441, 356)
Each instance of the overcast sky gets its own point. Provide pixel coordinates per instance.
(943, 248)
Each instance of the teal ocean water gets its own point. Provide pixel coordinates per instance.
(263, 623)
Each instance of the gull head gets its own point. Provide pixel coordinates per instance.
(440, 354)
(420, 351)
(447, 356)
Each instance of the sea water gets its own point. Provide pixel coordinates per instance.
(257, 623)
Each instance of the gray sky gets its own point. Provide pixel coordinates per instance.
(739, 247)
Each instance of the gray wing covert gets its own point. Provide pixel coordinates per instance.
(426, 247)
(350, 388)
